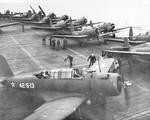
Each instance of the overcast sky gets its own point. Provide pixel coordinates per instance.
(96, 10)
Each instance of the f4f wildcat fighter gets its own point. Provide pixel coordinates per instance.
(63, 90)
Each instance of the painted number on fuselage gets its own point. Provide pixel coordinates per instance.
(26, 85)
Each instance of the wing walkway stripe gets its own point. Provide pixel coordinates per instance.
(30, 56)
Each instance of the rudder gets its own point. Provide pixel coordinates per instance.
(130, 32)
(72, 27)
(5, 70)
(126, 43)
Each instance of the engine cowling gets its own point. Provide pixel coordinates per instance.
(107, 84)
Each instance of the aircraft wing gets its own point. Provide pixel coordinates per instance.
(121, 40)
(57, 106)
(121, 28)
(71, 36)
(11, 24)
(31, 22)
(127, 52)
(46, 28)
(86, 24)
(104, 64)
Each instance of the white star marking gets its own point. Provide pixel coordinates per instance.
(12, 84)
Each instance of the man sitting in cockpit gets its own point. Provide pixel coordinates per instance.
(46, 74)
(76, 73)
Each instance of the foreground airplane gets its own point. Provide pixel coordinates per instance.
(64, 90)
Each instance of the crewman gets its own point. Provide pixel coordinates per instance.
(92, 59)
(76, 73)
(50, 40)
(44, 39)
(103, 54)
(70, 59)
(58, 44)
(45, 74)
(65, 43)
(53, 43)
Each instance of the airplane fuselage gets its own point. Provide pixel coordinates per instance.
(90, 32)
(141, 38)
(79, 22)
(108, 84)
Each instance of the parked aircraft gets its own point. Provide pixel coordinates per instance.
(63, 89)
(84, 33)
(27, 14)
(35, 17)
(77, 22)
(112, 38)
(54, 18)
(46, 19)
(62, 25)
(8, 14)
(142, 49)
(127, 52)
(108, 27)
(141, 37)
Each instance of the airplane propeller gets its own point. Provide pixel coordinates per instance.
(42, 11)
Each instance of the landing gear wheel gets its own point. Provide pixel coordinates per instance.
(102, 100)
(98, 101)
(113, 35)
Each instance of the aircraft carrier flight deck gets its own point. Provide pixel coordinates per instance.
(26, 53)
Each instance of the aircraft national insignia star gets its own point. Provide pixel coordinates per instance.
(12, 84)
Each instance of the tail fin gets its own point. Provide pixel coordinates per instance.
(91, 23)
(130, 32)
(5, 70)
(50, 22)
(72, 27)
(126, 43)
